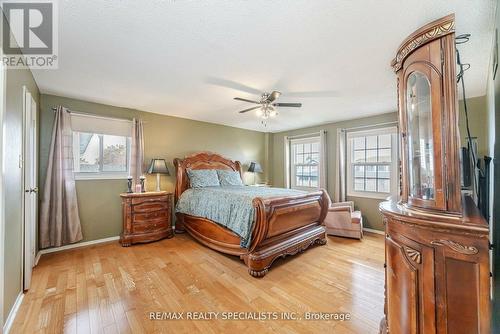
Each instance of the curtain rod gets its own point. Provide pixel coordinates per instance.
(370, 126)
(345, 129)
(94, 115)
(313, 134)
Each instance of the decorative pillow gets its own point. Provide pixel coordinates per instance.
(200, 178)
(229, 178)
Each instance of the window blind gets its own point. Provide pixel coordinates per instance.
(101, 125)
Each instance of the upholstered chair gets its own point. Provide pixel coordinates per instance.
(343, 221)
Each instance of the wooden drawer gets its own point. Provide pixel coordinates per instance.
(148, 206)
(151, 226)
(149, 216)
(140, 200)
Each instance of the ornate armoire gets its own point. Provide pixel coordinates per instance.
(436, 244)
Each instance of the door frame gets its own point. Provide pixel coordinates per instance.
(29, 227)
(3, 81)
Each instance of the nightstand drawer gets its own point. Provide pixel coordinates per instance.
(150, 226)
(148, 206)
(149, 216)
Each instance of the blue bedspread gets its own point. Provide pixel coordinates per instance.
(229, 206)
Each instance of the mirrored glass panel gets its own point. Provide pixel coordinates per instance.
(420, 139)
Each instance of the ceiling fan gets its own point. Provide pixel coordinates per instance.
(267, 105)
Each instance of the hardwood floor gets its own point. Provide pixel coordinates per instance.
(111, 289)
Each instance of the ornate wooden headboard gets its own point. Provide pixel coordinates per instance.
(201, 160)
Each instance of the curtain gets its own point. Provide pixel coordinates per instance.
(287, 162)
(59, 218)
(137, 150)
(323, 175)
(340, 176)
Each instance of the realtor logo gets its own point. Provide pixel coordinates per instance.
(29, 34)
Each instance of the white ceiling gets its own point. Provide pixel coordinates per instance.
(181, 58)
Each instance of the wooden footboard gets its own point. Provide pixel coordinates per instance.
(283, 225)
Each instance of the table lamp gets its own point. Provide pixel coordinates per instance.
(158, 166)
(254, 168)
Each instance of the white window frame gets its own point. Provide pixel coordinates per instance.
(393, 165)
(306, 140)
(101, 175)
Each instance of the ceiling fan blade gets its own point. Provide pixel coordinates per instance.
(318, 93)
(232, 85)
(249, 109)
(295, 105)
(273, 96)
(246, 100)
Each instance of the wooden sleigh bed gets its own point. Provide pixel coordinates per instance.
(282, 226)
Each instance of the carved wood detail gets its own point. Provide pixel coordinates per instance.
(457, 247)
(282, 253)
(426, 34)
(413, 254)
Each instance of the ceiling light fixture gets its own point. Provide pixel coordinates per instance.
(266, 106)
(266, 111)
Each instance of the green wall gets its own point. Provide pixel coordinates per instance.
(368, 206)
(165, 137)
(13, 134)
(477, 108)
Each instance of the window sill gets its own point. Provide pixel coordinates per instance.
(84, 177)
(380, 196)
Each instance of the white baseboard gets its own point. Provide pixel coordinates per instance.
(77, 245)
(373, 231)
(12, 314)
(37, 257)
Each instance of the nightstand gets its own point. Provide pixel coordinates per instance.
(146, 217)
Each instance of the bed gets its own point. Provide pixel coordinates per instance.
(282, 225)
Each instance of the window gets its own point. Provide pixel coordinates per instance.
(101, 147)
(372, 163)
(305, 162)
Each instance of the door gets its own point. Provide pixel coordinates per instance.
(2, 189)
(410, 281)
(30, 186)
(402, 287)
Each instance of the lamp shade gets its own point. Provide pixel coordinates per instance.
(255, 167)
(158, 166)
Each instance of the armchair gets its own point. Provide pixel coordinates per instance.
(341, 220)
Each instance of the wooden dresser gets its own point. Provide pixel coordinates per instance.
(436, 248)
(146, 217)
